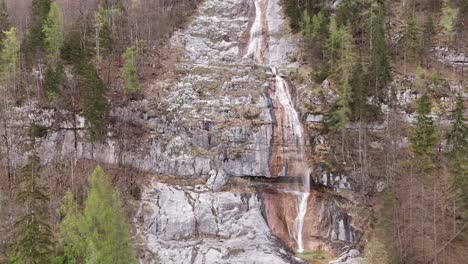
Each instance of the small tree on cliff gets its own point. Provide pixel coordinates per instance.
(53, 33)
(333, 44)
(379, 66)
(9, 57)
(34, 40)
(94, 101)
(423, 136)
(130, 70)
(449, 15)
(345, 70)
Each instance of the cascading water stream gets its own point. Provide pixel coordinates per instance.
(256, 35)
(289, 127)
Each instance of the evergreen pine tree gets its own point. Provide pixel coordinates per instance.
(103, 33)
(360, 108)
(9, 56)
(72, 51)
(4, 21)
(53, 81)
(379, 66)
(423, 136)
(35, 38)
(94, 101)
(333, 44)
(457, 137)
(345, 71)
(428, 33)
(104, 223)
(410, 40)
(53, 33)
(306, 26)
(449, 15)
(347, 13)
(72, 244)
(130, 70)
(33, 244)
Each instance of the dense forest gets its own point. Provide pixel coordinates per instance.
(100, 44)
(388, 76)
(368, 48)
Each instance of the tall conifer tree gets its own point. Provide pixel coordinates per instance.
(423, 136)
(105, 223)
(35, 39)
(345, 71)
(379, 66)
(34, 238)
(4, 21)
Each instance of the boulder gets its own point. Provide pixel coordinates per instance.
(217, 179)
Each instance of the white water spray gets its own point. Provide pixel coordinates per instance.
(291, 126)
(299, 223)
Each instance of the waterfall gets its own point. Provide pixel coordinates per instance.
(257, 42)
(290, 154)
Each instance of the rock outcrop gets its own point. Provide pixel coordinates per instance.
(192, 224)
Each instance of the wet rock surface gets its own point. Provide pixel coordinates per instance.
(327, 225)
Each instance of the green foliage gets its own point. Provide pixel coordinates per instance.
(33, 236)
(37, 131)
(72, 243)
(423, 136)
(379, 67)
(94, 102)
(333, 44)
(410, 38)
(306, 26)
(104, 223)
(130, 70)
(99, 234)
(295, 8)
(53, 81)
(322, 75)
(53, 32)
(313, 27)
(376, 251)
(457, 137)
(9, 56)
(458, 134)
(347, 13)
(345, 70)
(35, 38)
(104, 34)
(420, 77)
(429, 31)
(4, 21)
(436, 79)
(361, 109)
(72, 51)
(449, 15)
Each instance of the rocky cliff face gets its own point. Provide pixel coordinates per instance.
(191, 224)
